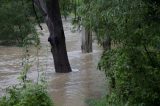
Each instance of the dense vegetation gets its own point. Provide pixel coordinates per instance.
(17, 22)
(31, 95)
(70, 8)
(66, 7)
(133, 63)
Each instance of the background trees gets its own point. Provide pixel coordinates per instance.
(66, 7)
(132, 65)
(16, 22)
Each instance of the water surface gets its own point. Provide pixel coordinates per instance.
(69, 89)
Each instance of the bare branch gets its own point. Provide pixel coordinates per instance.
(36, 15)
(41, 5)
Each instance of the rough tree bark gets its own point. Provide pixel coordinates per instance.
(51, 12)
(86, 46)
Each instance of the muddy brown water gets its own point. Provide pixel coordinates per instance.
(69, 89)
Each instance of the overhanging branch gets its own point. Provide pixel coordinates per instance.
(36, 15)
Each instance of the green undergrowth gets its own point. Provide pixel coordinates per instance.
(104, 101)
(97, 102)
(27, 92)
(29, 95)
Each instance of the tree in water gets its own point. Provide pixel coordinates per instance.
(86, 46)
(51, 12)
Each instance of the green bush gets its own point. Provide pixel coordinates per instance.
(17, 23)
(133, 63)
(100, 102)
(104, 101)
(136, 80)
(30, 95)
(27, 93)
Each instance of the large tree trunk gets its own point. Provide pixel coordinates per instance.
(86, 41)
(53, 20)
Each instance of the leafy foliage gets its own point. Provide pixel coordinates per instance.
(70, 8)
(66, 7)
(100, 102)
(16, 22)
(104, 101)
(31, 95)
(27, 93)
(133, 63)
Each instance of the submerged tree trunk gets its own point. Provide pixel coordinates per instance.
(107, 43)
(51, 12)
(86, 46)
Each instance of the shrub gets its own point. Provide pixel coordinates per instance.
(30, 95)
(16, 22)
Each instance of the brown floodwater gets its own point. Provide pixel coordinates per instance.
(69, 89)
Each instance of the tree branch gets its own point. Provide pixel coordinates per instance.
(149, 56)
(36, 15)
(41, 5)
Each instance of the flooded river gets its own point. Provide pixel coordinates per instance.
(69, 89)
